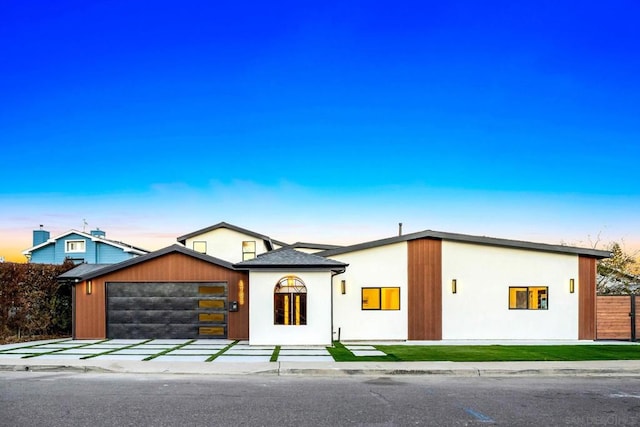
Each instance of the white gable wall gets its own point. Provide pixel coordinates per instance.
(226, 244)
(384, 266)
(480, 308)
(262, 330)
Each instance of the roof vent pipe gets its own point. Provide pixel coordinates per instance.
(399, 229)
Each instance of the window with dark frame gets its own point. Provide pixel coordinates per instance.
(528, 298)
(384, 298)
(248, 250)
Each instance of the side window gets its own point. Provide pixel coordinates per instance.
(528, 298)
(200, 246)
(248, 250)
(75, 246)
(380, 298)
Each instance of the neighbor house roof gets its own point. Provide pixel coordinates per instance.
(121, 245)
(319, 246)
(268, 240)
(465, 238)
(90, 273)
(290, 258)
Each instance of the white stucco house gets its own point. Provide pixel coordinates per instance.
(428, 285)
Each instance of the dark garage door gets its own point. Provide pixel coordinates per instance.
(166, 310)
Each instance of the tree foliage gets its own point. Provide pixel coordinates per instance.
(32, 302)
(616, 274)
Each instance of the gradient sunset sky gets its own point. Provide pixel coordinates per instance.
(320, 121)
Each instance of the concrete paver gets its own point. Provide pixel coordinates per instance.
(241, 359)
(11, 355)
(361, 353)
(58, 356)
(187, 352)
(137, 357)
(83, 351)
(134, 351)
(304, 358)
(180, 358)
(248, 352)
(126, 342)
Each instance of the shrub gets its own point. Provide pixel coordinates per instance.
(32, 302)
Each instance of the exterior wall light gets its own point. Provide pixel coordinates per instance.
(343, 287)
(89, 287)
(454, 286)
(241, 292)
(572, 285)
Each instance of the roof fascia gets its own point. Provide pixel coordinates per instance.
(465, 238)
(153, 255)
(267, 240)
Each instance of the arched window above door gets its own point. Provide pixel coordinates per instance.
(290, 301)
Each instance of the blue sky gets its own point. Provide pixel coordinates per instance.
(321, 121)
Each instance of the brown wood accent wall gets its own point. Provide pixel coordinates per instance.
(586, 298)
(425, 289)
(90, 310)
(637, 316)
(613, 321)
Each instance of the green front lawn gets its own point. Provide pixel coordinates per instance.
(493, 353)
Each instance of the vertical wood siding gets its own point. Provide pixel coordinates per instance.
(586, 298)
(614, 322)
(637, 317)
(425, 289)
(90, 310)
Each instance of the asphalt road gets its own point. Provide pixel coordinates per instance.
(84, 399)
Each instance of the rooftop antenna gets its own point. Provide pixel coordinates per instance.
(84, 225)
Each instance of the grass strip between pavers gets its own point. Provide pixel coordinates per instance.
(162, 353)
(90, 356)
(275, 354)
(221, 351)
(29, 356)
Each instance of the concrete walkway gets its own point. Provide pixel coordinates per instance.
(223, 357)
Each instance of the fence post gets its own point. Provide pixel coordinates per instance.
(632, 315)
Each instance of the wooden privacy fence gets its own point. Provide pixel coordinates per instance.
(616, 317)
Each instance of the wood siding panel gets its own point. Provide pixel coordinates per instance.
(614, 322)
(90, 310)
(586, 298)
(637, 317)
(425, 289)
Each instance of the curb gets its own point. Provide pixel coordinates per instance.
(336, 369)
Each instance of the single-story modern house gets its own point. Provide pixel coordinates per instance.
(230, 282)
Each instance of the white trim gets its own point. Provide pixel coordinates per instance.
(82, 247)
(124, 247)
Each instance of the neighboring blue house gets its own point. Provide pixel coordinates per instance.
(80, 247)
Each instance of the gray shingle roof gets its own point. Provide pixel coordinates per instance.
(307, 245)
(81, 270)
(287, 257)
(91, 273)
(267, 239)
(483, 240)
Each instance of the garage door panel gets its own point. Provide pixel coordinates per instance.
(144, 331)
(167, 310)
(151, 303)
(164, 317)
(150, 289)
